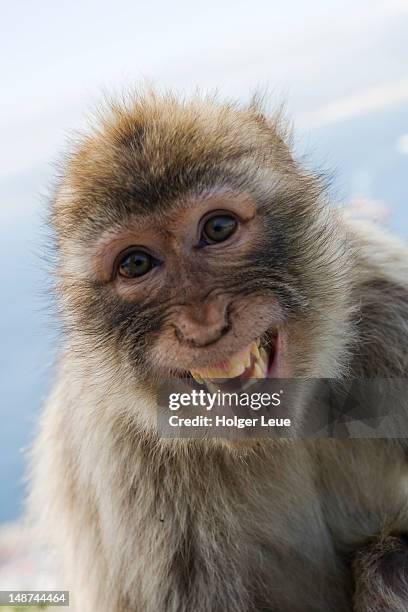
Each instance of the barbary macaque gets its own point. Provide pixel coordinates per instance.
(191, 243)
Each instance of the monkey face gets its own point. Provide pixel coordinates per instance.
(192, 247)
(193, 267)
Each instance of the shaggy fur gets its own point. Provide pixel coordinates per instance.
(144, 524)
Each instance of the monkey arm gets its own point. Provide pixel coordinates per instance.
(379, 493)
(363, 488)
(381, 575)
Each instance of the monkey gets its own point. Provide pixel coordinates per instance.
(190, 242)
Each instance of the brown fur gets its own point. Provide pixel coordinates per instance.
(381, 570)
(151, 525)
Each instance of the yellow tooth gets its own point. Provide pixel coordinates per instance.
(237, 364)
(256, 354)
(244, 356)
(257, 372)
(206, 372)
(197, 378)
(247, 361)
(254, 345)
(235, 368)
(213, 372)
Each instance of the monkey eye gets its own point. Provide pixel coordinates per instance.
(135, 263)
(218, 228)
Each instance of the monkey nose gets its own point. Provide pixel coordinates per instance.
(199, 336)
(202, 324)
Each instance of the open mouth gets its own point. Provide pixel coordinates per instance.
(258, 360)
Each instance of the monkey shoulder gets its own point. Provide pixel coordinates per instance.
(380, 298)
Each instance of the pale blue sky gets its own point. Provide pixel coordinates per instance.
(342, 67)
(57, 56)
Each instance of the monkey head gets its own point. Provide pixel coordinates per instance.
(191, 243)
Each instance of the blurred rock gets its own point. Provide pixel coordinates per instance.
(22, 565)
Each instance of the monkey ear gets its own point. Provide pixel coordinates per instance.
(277, 122)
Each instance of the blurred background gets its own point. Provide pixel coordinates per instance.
(340, 66)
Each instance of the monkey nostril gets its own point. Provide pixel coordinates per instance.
(225, 329)
(178, 333)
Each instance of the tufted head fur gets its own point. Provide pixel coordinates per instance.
(153, 167)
